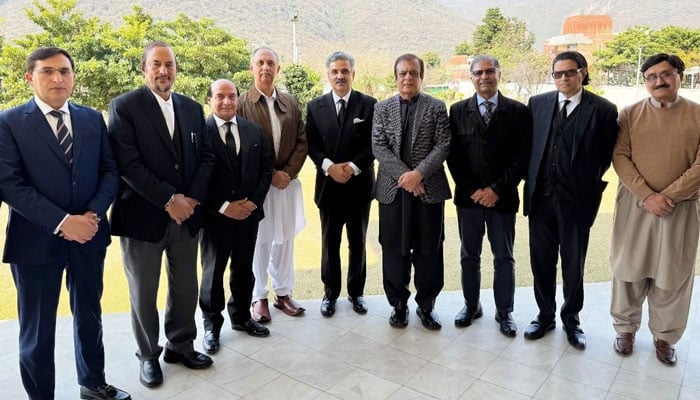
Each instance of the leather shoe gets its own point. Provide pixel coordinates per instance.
(429, 319)
(253, 328)
(624, 343)
(327, 307)
(665, 352)
(104, 392)
(537, 329)
(193, 360)
(288, 306)
(260, 311)
(575, 336)
(506, 323)
(468, 314)
(399, 317)
(358, 304)
(210, 342)
(151, 374)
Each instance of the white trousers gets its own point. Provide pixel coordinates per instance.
(277, 260)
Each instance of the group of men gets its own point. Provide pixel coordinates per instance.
(229, 183)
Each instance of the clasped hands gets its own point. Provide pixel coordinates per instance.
(240, 209)
(80, 228)
(486, 197)
(341, 172)
(412, 182)
(181, 208)
(658, 205)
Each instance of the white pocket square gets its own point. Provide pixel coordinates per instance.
(357, 121)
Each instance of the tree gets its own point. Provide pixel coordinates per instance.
(303, 83)
(464, 49)
(431, 59)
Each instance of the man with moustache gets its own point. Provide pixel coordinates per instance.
(411, 140)
(339, 130)
(233, 208)
(656, 224)
(488, 158)
(165, 159)
(279, 116)
(58, 176)
(573, 135)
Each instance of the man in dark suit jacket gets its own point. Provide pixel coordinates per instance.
(233, 209)
(59, 177)
(339, 131)
(488, 157)
(165, 159)
(574, 132)
(411, 140)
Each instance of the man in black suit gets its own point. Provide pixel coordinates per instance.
(339, 131)
(165, 159)
(488, 157)
(574, 132)
(58, 176)
(233, 208)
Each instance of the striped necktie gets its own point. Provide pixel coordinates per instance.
(65, 140)
(488, 112)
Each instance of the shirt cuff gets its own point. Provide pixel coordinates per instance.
(325, 165)
(354, 168)
(223, 208)
(58, 228)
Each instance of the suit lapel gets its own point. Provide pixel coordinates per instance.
(585, 111)
(420, 110)
(37, 120)
(394, 107)
(245, 143)
(77, 126)
(155, 114)
(474, 114)
(219, 146)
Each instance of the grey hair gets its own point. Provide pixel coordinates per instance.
(340, 55)
(484, 57)
(264, 48)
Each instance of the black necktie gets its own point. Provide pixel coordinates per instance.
(562, 112)
(230, 141)
(488, 113)
(65, 140)
(341, 111)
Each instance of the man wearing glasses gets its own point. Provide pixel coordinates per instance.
(656, 225)
(488, 157)
(574, 132)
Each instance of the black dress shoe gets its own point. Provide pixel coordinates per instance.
(399, 317)
(506, 323)
(429, 319)
(468, 314)
(151, 374)
(253, 328)
(537, 329)
(575, 336)
(358, 304)
(103, 392)
(327, 307)
(210, 342)
(193, 360)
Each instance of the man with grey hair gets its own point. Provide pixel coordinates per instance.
(279, 116)
(339, 129)
(488, 158)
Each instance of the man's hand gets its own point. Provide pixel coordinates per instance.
(240, 209)
(280, 179)
(486, 197)
(658, 205)
(181, 208)
(412, 181)
(341, 172)
(79, 228)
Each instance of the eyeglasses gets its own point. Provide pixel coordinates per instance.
(489, 71)
(48, 71)
(568, 73)
(666, 75)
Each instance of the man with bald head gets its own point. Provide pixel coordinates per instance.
(233, 208)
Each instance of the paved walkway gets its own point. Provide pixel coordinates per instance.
(350, 356)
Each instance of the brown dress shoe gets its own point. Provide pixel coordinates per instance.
(624, 343)
(665, 352)
(288, 305)
(260, 311)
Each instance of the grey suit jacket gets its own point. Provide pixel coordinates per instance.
(430, 141)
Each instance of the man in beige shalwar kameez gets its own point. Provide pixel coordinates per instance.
(657, 214)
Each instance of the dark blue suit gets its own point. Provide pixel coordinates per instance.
(41, 186)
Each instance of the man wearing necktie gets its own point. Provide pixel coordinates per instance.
(491, 137)
(411, 140)
(574, 132)
(339, 130)
(232, 211)
(59, 177)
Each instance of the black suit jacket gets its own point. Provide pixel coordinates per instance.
(595, 133)
(495, 155)
(149, 164)
(350, 142)
(256, 173)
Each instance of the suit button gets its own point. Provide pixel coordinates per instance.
(75, 184)
(177, 166)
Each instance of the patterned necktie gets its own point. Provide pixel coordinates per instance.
(341, 111)
(230, 140)
(562, 112)
(488, 113)
(65, 140)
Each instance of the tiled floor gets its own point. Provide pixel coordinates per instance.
(361, 357)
